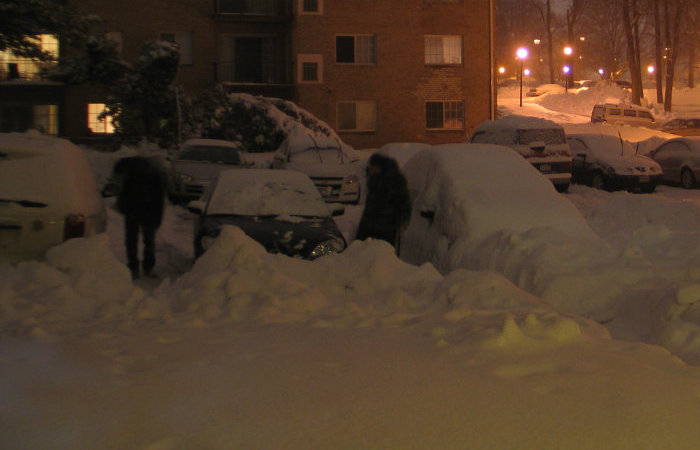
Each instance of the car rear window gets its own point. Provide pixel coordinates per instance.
(225, 155)
(645, 114)
(550, 136)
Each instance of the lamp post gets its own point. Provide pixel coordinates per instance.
(568, 51)
(522, 54)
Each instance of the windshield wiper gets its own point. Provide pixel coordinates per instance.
(25, 203)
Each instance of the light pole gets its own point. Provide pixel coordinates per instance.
(568, 51)
(521, 53)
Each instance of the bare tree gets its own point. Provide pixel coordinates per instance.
(673, 10)
(631, 17)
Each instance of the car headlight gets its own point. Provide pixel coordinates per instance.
(330, 246)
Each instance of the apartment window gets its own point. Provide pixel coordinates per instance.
(357, 49)
(309, 68)
(117, 38)
(310, 6)
(444, 115)
(443, 50)
(357, 116)
(46, 118)
(184, 41)
(12, 66)
(248, 7)
(95, 122)
(247, 59)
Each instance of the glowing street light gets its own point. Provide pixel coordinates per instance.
(651, 69)
(601, 72)
(527, 72)
(522, 54)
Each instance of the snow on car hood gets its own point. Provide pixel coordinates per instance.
(203, 171)
(618, 154)
(327, 170)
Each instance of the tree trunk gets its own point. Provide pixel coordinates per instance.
(636, 76)
(658, 54)
(691, 65)
(672, 45)
(632, 62)
(550, 50)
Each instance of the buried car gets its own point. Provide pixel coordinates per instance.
(680, 160)
(198, 162)
(47, 195)
(607, 162)
(333, 166)
(281, 209)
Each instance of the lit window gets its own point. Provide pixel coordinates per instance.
(27, 68)
(444, 115)
(357, 116)
(442, 50)
(96, 123)
(361, 49)
(309, 68)
(184, 40)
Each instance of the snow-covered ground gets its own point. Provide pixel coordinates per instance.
(244, 349)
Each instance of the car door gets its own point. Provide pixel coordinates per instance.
(669, 157)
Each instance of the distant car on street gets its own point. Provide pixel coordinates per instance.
(198, 162)
(332, 165)
(48, 194)
(680, 160)
(682, 127)
(281, 209)
(616, 114)
(607, 162)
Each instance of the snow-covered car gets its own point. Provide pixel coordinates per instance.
(332, 165)
(607, 162)
(48, 194)
(682, 126)
(281, 209)
(464, 195)
(541, 142)
(679, 158)
(198, 162)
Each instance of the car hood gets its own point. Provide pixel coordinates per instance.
(630, 164)
(326, 170)
(200, 170)
(291, 236)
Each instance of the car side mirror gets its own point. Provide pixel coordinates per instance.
(196, 207)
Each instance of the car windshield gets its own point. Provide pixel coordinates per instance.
(206, 153)
(267, 198)
(550, 136)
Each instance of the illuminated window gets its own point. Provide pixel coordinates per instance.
(46, 119)
(357, 116)
(448, 115)
(12, 66)
(98, 124)
(184, 40)
(443, 50)
(309, 68)
(360, 49)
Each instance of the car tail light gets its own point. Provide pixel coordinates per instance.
(74, 226)
(352, 179)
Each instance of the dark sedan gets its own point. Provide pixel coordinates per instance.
(281, 209)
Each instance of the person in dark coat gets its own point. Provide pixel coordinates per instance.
(141, 200)
(388, 205)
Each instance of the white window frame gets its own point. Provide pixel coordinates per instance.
(448, 118)
(366, 53)
(441, 51)
(302, 11)
(184, 40)
(305, 58)
(365, 119)
(94, 123)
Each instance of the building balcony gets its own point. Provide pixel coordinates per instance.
(253, 10)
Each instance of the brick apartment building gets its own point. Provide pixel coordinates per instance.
(378, 71)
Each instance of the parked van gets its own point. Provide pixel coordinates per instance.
(541, 142)
(621, 114)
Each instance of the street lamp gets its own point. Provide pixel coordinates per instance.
(567, 71)
(522, 54)
(568, 51)
(601, 72)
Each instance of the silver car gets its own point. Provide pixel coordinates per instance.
(680, 160)
(198, 163)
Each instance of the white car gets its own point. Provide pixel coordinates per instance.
(605, 161)
(333, 166)
(198, 163)
(48, 194)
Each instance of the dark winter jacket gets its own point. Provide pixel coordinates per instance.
(388, 205)
(143, 185)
